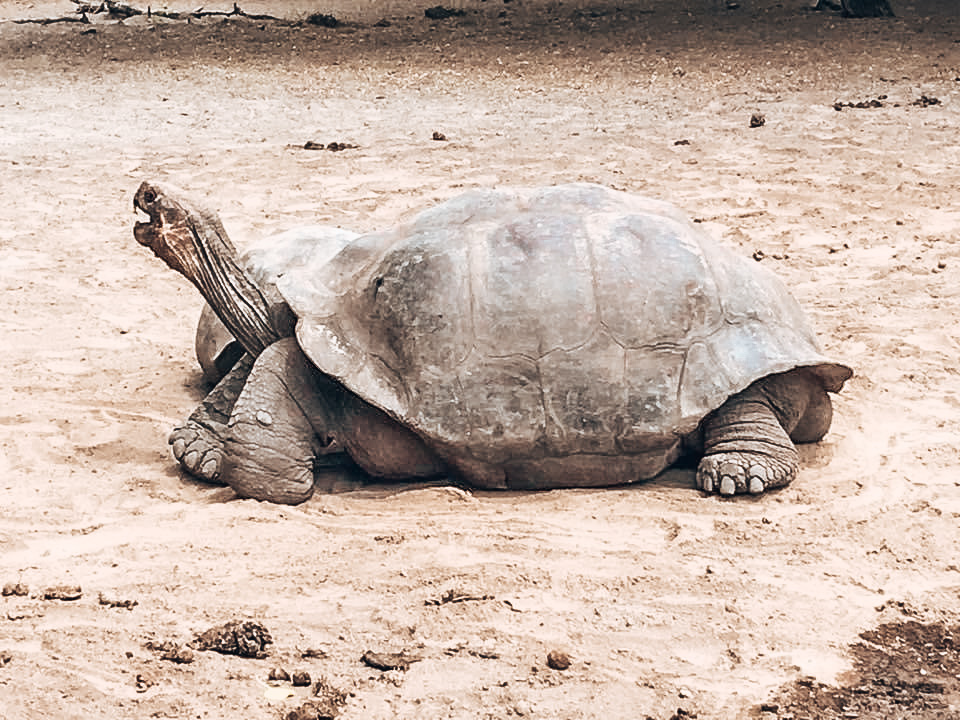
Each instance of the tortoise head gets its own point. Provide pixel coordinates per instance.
(192, 241)
(172, 229)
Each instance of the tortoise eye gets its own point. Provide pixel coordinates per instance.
(149, 196)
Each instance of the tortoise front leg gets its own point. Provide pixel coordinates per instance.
(747, 444)
(198, 444)
(283, 438)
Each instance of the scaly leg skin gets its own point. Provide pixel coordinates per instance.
(283, 433)
(747, 440)
(198, 443)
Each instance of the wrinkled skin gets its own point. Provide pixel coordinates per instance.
(276, 428)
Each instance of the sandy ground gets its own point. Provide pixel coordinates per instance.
(669, 603)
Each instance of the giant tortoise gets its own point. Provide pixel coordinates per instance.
(567, 336)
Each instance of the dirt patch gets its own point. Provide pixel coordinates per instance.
(900, 669)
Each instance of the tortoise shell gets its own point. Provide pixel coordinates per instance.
(516, 325)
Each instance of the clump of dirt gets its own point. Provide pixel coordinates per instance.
(389, 661)
(171, 651)
(325, 704)
(439, 12)
(926, 101)
(244, 638)
(880, 101)
(876, 102)
(333, 147)
(323, 19)
(66, 593)
(18, 589)
(901, 670)
(124, 603)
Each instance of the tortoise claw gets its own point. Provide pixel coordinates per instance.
(734, 473)
(197, 449)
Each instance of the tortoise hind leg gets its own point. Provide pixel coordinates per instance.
(747, 441)
(816, 419)
(198, 444)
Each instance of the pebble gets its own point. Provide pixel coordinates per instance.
(278, 675)
(17, 588)
(300, 678)
(63, 592)
(558, 660)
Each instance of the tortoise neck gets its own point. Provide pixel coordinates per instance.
(234, 296)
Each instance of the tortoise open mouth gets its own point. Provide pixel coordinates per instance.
(147, 231)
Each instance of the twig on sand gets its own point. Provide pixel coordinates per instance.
(122, 11)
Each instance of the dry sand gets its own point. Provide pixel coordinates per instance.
(663, 598)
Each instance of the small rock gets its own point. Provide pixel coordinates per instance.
(437, 135)
(558, 660)
(63, 592)
(323, 20)
(5, 657)
(143, 683)
(114, 603)
(521, 709)
(926, 101)
(315, 653)
(177, 653)
(17, 588)
(439, 12)
(278, 675)
(300, 678)
(389, 661)
(757, 120)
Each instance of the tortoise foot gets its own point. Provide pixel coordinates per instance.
(737, 473)
(197, 449)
